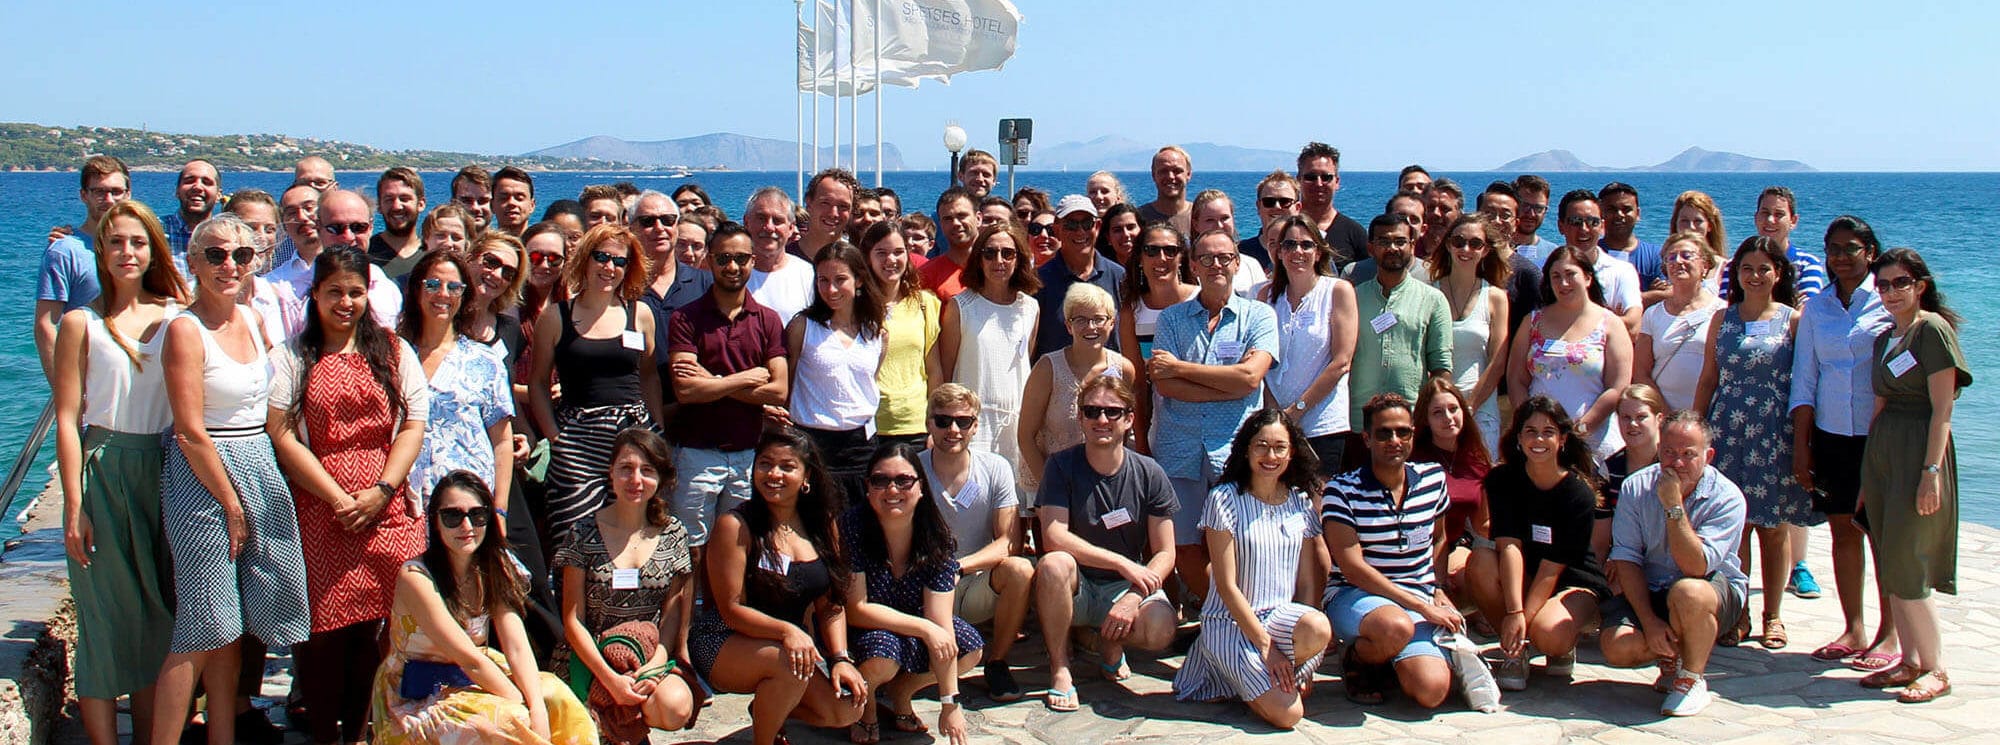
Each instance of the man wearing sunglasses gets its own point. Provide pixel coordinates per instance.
(1582, 225)
(829, 204)
(1405, 329)
(1210, 355)
(1277, 198)
(1106, 517)
(975, 491)
(656, 223)
(399, 194)
(343, 220)
(1077, 261)
(1319, 181)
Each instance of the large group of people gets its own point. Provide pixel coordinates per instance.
(562, 480)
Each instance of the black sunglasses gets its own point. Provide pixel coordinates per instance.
(1085, 222)
(1167, 250)
(1037, 229)
(1317, 178)
(727, 259)
(242, 255)
(452, 517)
(901, 481)
(340, 228)
(605, 257)
(1276, 203)
(494, 263)
(946, 421)
(999, 253)
(1584, 222)
(647, 221)
(1102, 412)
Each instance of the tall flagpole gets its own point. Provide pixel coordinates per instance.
(799, 104)
(836, 83)
(815, 91)
(876, 21)
(853, 90)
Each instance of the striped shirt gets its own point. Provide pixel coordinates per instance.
(1396, 542)
(1269, 539)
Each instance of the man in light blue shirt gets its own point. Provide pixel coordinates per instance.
(1673, 550)
(1209, 358)
(68, 276)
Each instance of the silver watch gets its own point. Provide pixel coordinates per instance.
(1676, 514)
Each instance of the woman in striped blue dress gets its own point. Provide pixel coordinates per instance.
(1258, 643)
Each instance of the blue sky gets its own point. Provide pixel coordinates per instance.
(1841, 85)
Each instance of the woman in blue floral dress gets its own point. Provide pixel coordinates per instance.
(1744, 388)
(472, 402)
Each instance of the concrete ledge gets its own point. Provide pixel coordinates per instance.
(37, 627)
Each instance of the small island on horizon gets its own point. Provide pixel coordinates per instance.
(1691, 160)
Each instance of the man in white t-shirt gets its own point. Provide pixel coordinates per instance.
(778, 280)
(975, 490)
(1582, 224)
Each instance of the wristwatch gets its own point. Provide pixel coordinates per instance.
(387, 490)
(1676, 514)
(1299, 406)
(946, 699)
(1933, 468)
(844, 657)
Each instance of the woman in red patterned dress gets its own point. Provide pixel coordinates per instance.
(352, 401)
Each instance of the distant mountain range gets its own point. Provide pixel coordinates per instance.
(1115, 153)
(1691, 160)
(39, 147)
(719, 150)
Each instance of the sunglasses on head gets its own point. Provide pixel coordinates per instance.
(605, 257)
(648, 221)
(902, 481)
(345, 228)
(452, 517)
(242, 255)
(727, 259)
(494, 263)
(1102, 412)
(1167, 250)
(945, 421)
(545, 259)
(434, 285)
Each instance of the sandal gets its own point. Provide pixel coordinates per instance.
(1115, 670)
(1924, 690)
(864, 733)
(1874, 661)
(1736, 634)
(1063, 701)
(1895, 677)
(899, 721)
(1774, 633)
(1363, 685)
(1834, 652)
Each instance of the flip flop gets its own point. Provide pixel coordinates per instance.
(864, 733)
(1114, 670)
(899, 721)
(1834, 652)
(1063, 701)
(1876, 661)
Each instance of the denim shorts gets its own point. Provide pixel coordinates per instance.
(1350, 604)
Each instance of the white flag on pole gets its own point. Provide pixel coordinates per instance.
(921, 39)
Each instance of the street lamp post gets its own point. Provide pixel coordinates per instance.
(954, 141)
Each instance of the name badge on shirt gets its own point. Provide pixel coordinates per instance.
(1755, 329)
(1228, 352)
(632, 340)
(1117, 518)
(1418, 536)
(1902, 363)
(1383, 322)
(968, 494)
(624, 579)
(775, 562)
(1543, 533)
(1556, 348)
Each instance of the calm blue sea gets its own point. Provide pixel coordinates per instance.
(1948, 216)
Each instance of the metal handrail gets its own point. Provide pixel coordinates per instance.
(29, 450)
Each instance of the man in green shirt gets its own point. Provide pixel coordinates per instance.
(1405, 324)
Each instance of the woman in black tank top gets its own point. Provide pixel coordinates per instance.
(595, 346)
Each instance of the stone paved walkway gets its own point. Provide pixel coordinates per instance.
(1763, 697)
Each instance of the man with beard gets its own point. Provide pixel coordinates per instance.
(656, 223)
(472, 189)
(1405, 331)
(1620, 203)
(1319, 181)
(779, 280)
(958, 225)
(1172, 169)
(1531, 197)
(976, 173)
(399, 195)
(198, 190)
(1077, 260)
(727, 354)
(1407, 206)
(829, 203)
(1444, 203)
(513, 200)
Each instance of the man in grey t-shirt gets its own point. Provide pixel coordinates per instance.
(1108, 540)
(975, 490)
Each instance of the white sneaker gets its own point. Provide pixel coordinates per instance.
(1560, 667)
(1512, 673)
(1689, 696)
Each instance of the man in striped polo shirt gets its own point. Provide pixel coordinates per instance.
(1380, 521)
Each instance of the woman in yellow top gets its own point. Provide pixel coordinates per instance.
(910, 366)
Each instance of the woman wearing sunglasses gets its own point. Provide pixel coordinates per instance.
(108, 375)
(471, 401)
(459, 666)
(987, 332)
(627, 596)
(900, 599)
(601, 348)
(546, 252)
(836, 348)
(1316, 328)
(1472, 274)
(1157, 276)
(348, 408)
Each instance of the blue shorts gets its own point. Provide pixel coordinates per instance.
(1351, 604)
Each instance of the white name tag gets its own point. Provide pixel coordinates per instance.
(969, 494)
(1757, 328)
(1543, 533)
(1117, 518)
(1418, 536)
(624, 579)
(775, 562)
(632, 340)
(1383, 322)
(1902, 363)
(1556, 348)
(1228, 352)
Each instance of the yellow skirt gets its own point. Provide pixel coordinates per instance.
(470, 715)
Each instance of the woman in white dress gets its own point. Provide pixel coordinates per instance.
(1472, 274)
(986, 333)
(1316, 328)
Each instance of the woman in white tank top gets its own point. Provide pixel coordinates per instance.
(1317, 328)
(1470, 271)
(108, 378)
(987, 331)
(1157, 276)
(1048, 404)
(836, 346)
